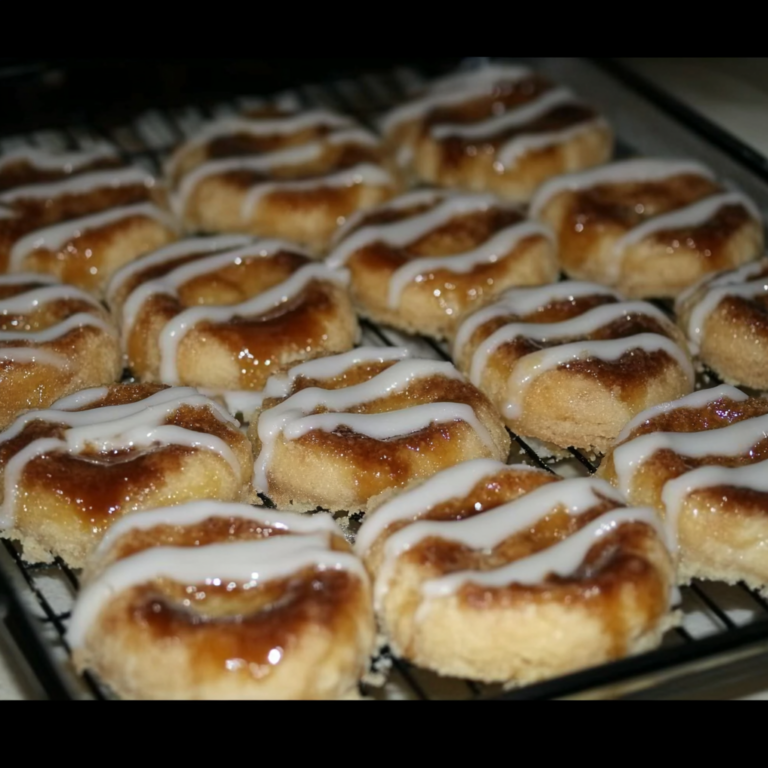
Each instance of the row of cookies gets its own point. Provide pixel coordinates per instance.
(208, 599)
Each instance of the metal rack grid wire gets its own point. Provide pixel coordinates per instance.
(716, 618)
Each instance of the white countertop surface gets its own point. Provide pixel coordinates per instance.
(732, 92)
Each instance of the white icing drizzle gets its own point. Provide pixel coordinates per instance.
(696, 400)
(513, 118)
(56, 237)
(246, 563)
(455, 483)
(189, 247)
(292, 418)
(266, 163)
(729, 285)
(403, 233)
(134, 425)
(628, 171)
(692, 216)
(522, 302)
(238, 402)
(81, 185)
(80, 400)
(678, 491)
(28, 278)
(561, 560)
(419, 197)
(182, 324)
(28, 302)
(81, 320)
(198, 512)
(7, 213)
(728, 442)
(257, 127)
(499, 247)
(363, 174)
(453, 91)
(66, 162)
(326, 368)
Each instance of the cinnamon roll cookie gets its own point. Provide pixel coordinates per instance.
(77, 217)
(214, 601)
(227, 313)
(68, 473)
(440, 256)
(54, 341)
(651, 228)
(703, 462)
(570, 364)
(502, 129)
(335, 433)
(726, 319)
(293, 176)
(510, 575)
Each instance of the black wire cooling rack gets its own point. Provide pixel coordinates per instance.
(723, 639)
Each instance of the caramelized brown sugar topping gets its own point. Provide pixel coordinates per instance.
(729, 499)
(333, 158)
(622, 328)
(237, 283)
(709, 239)
(248, 632)
(456, 149)
(489, 494)
(357, 374)
(722, 413)
(506, 95)
(631, 204)
(24, 174)
(459, 235)
(242, 144)
(45, 316)
(261, 343)
(43, 212)
(214, 530)
(124, 394)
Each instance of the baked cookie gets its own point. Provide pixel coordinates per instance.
(651, 228)
(227, 313)
(213, 601)
(336, 433)
(82, 226)
(67, 474)
(501, 129)
(726, 320)
(441, 256)
(570, 364)
(510, 575)
(703, 462)
(54, 341)
(293, 176)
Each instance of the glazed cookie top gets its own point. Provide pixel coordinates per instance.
(37, 314)
(742, 293)
(507, 110)
(261, 579)
(670, 202)
(109, 427)
(287, 153)
(426, 231)
(52, 202)
(491, 534)
(720, 427)
(573, 326)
